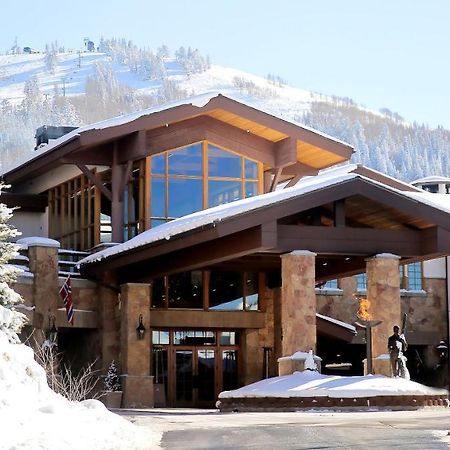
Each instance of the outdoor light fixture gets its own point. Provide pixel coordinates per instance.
(442, 349)
(52, 331)
(140, 330)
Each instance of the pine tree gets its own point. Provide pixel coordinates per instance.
(11, 321)
(112, 379)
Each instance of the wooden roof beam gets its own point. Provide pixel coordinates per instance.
(96, 181)
(353, 241)
(205, 254)
(291, 129)
(217, 132)
(285, 152)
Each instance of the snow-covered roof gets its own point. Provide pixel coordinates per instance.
(431, 179)
(198, 101)
(337, 322)
(210, 217)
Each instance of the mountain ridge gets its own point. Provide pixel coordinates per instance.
(79, 88)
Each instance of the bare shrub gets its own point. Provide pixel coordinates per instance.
(61, 378)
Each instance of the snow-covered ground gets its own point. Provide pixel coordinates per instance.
(313, 384)
(32, 416)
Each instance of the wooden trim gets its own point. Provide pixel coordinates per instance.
(293, 181)
(295, 131)
(286, 152)
(350, 241)
(339, 213)
(205, 173)
(205, 253)
(147, 190)
(275, 179)
(299, 169)
(96, 218)
(206, 128)
(382, 178)
(188, 318)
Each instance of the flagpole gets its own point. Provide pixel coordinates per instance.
(65, 281)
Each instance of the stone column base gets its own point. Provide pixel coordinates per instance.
(137, 391)
(381, 366)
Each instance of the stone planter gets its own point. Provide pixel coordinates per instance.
(112, 399)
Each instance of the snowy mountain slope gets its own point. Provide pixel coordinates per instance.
(73, 69)
(125, 79)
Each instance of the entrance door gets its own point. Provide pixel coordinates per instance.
(195, 380)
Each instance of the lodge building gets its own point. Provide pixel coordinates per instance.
(219, 231)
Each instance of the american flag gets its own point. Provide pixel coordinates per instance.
(66, 294)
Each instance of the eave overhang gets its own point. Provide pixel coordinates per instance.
(259, 231)
(306, 146)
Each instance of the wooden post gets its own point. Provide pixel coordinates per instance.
(117, 198)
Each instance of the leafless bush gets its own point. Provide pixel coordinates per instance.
(62, 379)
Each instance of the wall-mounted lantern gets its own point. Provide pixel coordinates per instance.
(140, 330)
(52, 335)
(442, 349)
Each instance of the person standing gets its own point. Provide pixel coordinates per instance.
(396, 346)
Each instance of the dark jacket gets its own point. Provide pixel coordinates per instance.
(392, 346)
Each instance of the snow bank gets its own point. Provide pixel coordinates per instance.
(32, 416)
(314, 384)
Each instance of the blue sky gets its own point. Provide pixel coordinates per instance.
(384, 53)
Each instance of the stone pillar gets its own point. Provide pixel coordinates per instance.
(298, 302)
(109, 320)
(43, 263)
(383, 293)
(137, 383)
(252, 357)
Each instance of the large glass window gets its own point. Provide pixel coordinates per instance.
(251, 189)
(411, 276)
(361, 281)
(222, 163)
(159, 164)
(198, 337)
(415, 276)
(186, 161)
(251, 290)
(198, 176)
(186, 290)
(159, 293)
(158, 206)
(160, 337)
(184, 197)
(226, 290)
(332, 284)
(221, 191)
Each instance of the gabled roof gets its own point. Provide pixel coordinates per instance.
(436, 209)
(312, 147)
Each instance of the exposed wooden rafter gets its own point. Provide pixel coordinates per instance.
(96, 181)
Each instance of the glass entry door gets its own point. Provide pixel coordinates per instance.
(195, 380)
